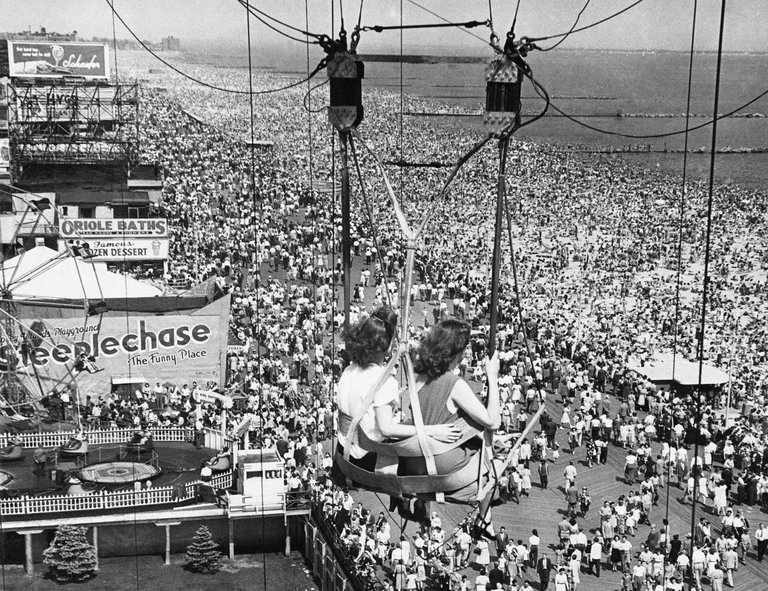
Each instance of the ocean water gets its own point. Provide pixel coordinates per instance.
(596, 86)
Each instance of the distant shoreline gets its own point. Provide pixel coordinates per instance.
(429, 58)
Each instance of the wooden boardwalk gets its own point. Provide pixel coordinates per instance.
(545, 508)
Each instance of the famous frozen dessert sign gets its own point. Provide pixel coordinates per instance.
(46, 59)
(119, 239)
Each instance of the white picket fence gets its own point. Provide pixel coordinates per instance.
(27, 505)
(105, 501)
(213, 438)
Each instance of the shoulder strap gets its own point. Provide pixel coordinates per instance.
(418, 422)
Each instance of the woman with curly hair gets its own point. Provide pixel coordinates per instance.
(367, 344)
(444, 397)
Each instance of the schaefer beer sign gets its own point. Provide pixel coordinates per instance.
(47, 59)
(120, 239)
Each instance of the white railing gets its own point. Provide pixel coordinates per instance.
(213, 439)
(110, 500)
(97, 436)
(222, 480)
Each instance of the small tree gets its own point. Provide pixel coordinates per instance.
(70, 557)
(203, 554)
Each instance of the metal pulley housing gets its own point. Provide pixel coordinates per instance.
(345, 73)
(502, 95)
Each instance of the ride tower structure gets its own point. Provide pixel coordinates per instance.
(27, 342)
(345, 112)
(501, 118)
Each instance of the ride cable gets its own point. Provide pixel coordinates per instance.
(319, 67)
(466, 25)
(585, 27)
(572, 29)
(252, 172)
(681, 222)
(445, 20)
(257, 14)
(705, 282)
(663, 134)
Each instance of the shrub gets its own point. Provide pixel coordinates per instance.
(203, 554)
(70, 557)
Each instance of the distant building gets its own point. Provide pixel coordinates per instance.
(171, 43)
(41, 35)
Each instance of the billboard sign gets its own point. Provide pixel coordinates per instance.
(120, 239)
(65, 103)
(53, 59)
(114, 227)
(179, 348)
(128, 249)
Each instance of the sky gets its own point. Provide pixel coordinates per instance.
(653, 24)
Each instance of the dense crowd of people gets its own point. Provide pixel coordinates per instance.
(595, 247)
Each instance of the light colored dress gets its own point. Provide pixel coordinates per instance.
(354, 385)
(721, 499)
(484, 557)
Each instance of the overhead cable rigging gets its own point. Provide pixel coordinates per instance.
(663, 134)
(466, 25)
(572, 29)
(585, 27)
(442, 18)
(202, 82)
(256, 13)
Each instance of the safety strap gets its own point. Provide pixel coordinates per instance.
(454, 171)
(418, 421)
(404, 227)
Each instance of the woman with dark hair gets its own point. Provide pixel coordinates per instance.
(444, 398)
(368, 343)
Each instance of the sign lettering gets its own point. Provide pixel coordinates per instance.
(46, 59)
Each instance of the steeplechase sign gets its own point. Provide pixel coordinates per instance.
(179, 348)
(36, 59)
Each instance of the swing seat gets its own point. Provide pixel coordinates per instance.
(140, 442)
(219, 463)
(455, 487)
(11, 453)
(74, 447)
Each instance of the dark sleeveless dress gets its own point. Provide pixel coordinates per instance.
(432, 399)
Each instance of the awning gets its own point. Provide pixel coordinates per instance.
(686, 373)
(102, 197)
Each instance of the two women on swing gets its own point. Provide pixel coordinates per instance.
(443, 397)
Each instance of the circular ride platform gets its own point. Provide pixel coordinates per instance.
(118, 472)
(178, 463)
